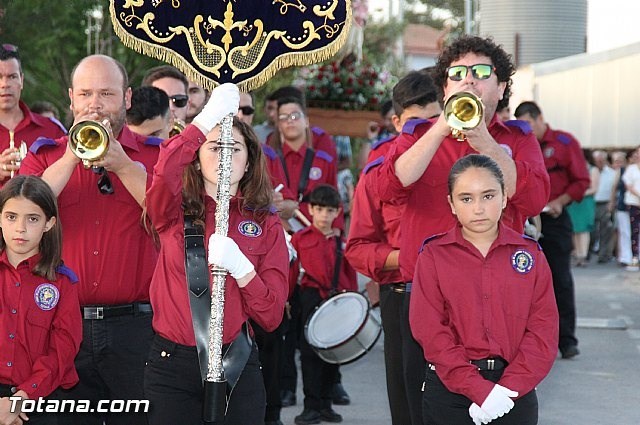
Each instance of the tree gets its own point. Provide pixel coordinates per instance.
(439, 14)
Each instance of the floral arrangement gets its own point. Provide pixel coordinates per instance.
(346, 85)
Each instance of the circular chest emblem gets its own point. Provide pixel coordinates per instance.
(315, 173)
(250, 228)
(46, 296)
(522, 261)
(548, 152)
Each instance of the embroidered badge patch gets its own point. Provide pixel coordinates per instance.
(522, 261)
(250, 228)
(46, 296)
(315, 173)
(548, 152)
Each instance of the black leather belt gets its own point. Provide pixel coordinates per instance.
(489, 364)
(99, 312)
(7, 390)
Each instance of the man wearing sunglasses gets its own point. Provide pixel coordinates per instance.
(246, 109)
(416, 169)
(174, 83)
(17, 122)
(105, 242)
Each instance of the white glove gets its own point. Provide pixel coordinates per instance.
(224, 252)
(224, 100)
(498, 402)
(478, 415)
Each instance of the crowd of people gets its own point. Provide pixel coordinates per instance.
(474, 311)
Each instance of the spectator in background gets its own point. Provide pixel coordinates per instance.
(198, 97)
(602, 236)
(17, 123)
(271, 110)
(174, 83)
(631, 179)
(149, 112)
(504, 113)
(44, 108)
(623, 225)
(582, 214)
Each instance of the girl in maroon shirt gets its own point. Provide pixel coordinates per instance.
(482, 308)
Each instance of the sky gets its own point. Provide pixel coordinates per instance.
(610, 23)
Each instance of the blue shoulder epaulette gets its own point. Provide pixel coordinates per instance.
(379, 160)
(153, 141)
(563, 138)
(429, 239)
(318, 131)
(62, 269)
(375, 145)
(525, 236)
(268, 151)
(524, 126)
(410, 126)
(324, 155)
(40, 142)
(59, 124)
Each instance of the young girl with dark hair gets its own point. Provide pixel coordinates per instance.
(185, 183)
(39, 308)
(482, 308)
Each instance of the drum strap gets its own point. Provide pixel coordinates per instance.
(304, 173)
(338, 266)
(236, 356)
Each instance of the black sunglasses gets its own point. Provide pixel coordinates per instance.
(104, 182)
(180, 100)
(246, 110)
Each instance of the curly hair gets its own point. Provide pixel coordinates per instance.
(482, 46)
(255, 186)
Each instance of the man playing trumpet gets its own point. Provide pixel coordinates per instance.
(416, 169)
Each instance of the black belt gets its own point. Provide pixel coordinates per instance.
(7, 390)
(400, 288)
(99, 312)
(496, 363)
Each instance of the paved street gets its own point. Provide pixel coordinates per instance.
(600, 386)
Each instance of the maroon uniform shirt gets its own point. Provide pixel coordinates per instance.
(320, 141)
(41, 327)
(468, 307)
(104, 240)
(317, 256)
(565, 163)
(263, 243)
(276, 172)
(427, 210)
(29, 129)
(375, 225)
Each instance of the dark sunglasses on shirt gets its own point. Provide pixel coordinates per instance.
(180, 100)
(104, 182)
(480, 71)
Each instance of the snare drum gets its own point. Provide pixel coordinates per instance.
(342, 329)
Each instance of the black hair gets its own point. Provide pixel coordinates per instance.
(415, 88)
(37, 191)
(528, 107)
(41, 106)
(147, 103)
(165, 71)
(474, 161)
(385, 107)
(287, 92)
(6, 55)
(325, 196)
(500, 59)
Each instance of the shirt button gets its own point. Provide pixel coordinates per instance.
(11, 336)
(34, 385)
(14, 311)
(95, 252)
(9, 364)
(97, 222)
(17, 283)
(95, 283)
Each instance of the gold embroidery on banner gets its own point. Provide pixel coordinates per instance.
(211, 55)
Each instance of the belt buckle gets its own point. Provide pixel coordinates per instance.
(491, 364)
(97, 314)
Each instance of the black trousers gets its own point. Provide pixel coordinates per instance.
(318, 376)
(556, 244)
(292, 329)
(403, 359)
(442, 407)
(270, 347)
(110, 365)
(173, 385)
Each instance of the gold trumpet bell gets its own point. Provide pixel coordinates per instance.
(463, 111)
(89, 141)
(178, 126)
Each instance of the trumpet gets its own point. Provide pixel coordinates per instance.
(178, 126)
(89, 141)
(463, 111)
(21, 154)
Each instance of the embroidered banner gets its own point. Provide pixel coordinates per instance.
(238, 41)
